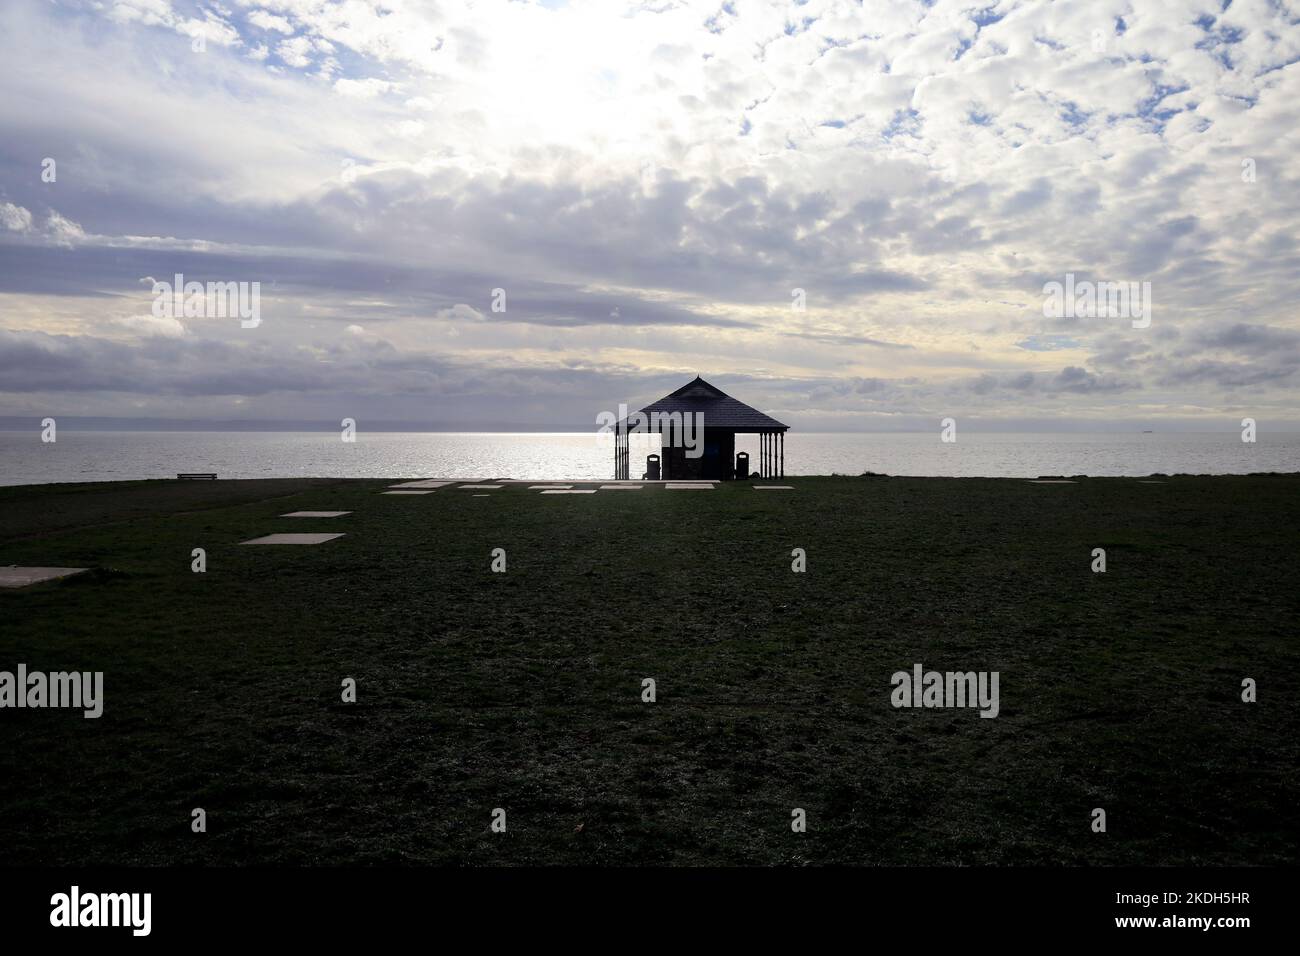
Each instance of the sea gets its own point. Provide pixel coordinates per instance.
(124, 455)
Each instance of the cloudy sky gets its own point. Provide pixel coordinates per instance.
(648, 182)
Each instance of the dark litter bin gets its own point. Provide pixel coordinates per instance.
(742, 466)
(652, 467)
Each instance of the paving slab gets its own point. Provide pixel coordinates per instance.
(482, 487)
(408, 492)
(569, 491)
(316, 514)
(293, 539)
(423, 483)
(21, 577)
(677, 486)
(773, 487)
(543, 487)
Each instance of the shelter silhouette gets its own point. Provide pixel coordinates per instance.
(699, 423)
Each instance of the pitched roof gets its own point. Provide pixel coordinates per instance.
(720, 409)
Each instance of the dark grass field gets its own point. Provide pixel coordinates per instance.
(523, 690)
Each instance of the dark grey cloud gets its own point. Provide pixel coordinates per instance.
(1071, 380)
(91, 270)
(1226, 375)
(1250, 339)
(744, 242)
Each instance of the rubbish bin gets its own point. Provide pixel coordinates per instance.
(652, 467)
(742, 466)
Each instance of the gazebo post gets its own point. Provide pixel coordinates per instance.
(666, 456)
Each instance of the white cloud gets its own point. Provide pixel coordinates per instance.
(296, 51)
(62, 231)
(15, 218)
(212, 26)
(152, 325)
(363, 89)
(408, 129)
(269, 21)
(460, 313)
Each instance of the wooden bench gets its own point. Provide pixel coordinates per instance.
(198, 476)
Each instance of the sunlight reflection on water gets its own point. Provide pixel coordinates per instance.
(107, 456)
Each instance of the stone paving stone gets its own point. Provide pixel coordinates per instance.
(21, 577)
(293, 539)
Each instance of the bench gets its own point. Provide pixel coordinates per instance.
(198, 476)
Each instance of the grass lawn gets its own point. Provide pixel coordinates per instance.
(523, 690)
